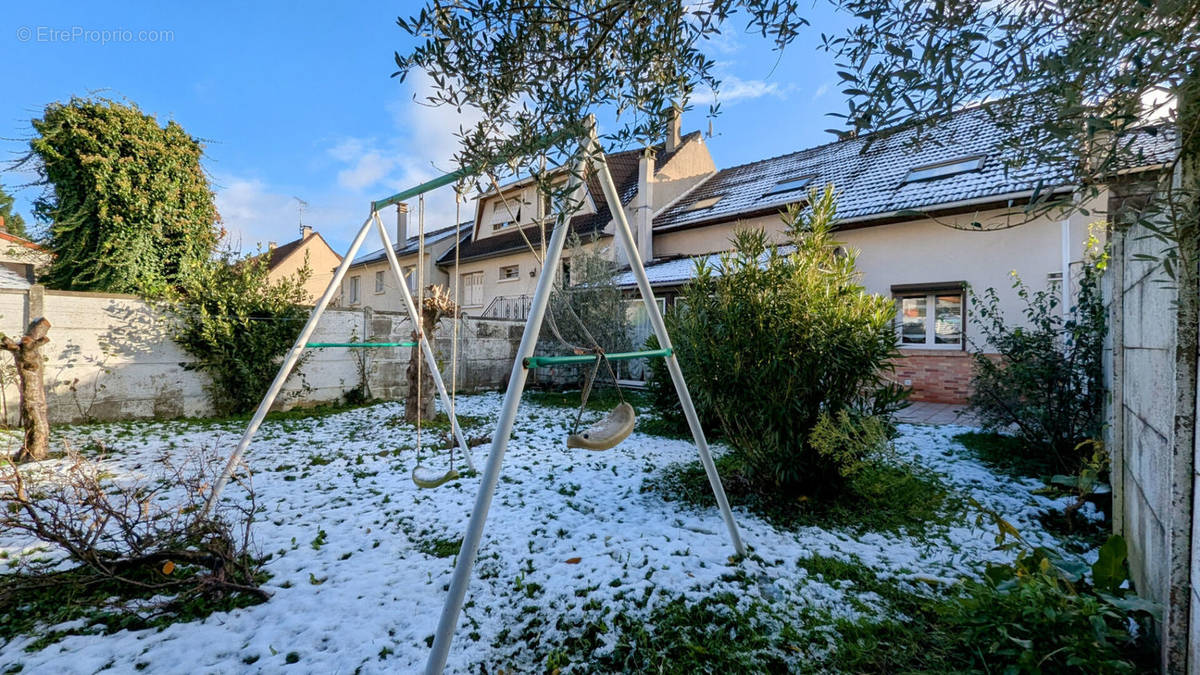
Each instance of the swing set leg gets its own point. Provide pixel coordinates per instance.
(516, 384)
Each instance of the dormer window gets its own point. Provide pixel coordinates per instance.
(504, 214)
(944, 169)
(789, 185)
(706, 203)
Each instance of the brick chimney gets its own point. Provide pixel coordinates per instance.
(401, 224)
(643, 215)
(3, 227)
(305, 231)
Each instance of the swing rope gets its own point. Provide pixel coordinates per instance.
(620, 421)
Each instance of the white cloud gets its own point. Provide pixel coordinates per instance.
(367, 170)
(419, 146)
(255, 214)
(733, 88)
(821, 91)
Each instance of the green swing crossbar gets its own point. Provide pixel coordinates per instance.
(358, 345)
(543, 361)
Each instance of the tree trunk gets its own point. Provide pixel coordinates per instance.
(436, 304)
(30, 368)
(427, 404)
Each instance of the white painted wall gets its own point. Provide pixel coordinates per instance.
(112, 357)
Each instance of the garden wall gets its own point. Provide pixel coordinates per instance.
(1153, 466)
(112, 357)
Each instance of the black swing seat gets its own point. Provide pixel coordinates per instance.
(608, 432)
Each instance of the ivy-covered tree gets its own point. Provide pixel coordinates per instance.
(127, 206)
(13, 221)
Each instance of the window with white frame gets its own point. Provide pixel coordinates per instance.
(505, 211)
(472, 289)
(354, 290)
(931, 317)
(510, 272)
(379, 281)
(410, 273)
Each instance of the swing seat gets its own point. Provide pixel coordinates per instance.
(606, 433)
(425, 478)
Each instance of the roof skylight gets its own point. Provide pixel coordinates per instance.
(944, 169)
(789, 185)
(706, 203)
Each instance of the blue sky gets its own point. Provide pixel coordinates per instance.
(296, 99)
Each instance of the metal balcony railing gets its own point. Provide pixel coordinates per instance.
(514, 307)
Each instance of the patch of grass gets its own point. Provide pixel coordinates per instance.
(1005, 453)
(602, 397)
(441, 422)
(881, 498)
(440, 548)
(717, 634)
(29, 603)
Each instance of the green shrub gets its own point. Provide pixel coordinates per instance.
(849, 441)
(1048, 384)
(772, 337)
(238, 325)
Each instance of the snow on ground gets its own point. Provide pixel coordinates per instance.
(566, 528)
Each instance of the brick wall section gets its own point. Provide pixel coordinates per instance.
(936, 375)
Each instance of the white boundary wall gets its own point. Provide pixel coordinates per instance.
(113, 357)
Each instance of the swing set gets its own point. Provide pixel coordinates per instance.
(607, 433)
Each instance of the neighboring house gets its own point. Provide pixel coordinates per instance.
(20, 260)
(311, 249)
(498, 271)
(370, 281)
(929, 223)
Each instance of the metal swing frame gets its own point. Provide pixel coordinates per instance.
(590, 155)
(302, 343)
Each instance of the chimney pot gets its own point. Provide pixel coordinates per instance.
(305, 231)
(401, 224)
(3, 227)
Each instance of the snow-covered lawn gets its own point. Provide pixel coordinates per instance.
(360, 557)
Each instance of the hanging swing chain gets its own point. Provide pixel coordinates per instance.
(551, 322)
(587, 388)
(418, 320)
(454, 333)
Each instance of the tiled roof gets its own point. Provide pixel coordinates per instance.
(624, 169)
(280, 253)
(410, 245)
(869, 178)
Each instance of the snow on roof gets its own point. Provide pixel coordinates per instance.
(869, 173)
(410, 245)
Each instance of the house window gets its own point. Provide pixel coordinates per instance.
(931, 317)
(706, 203)
(472, 289)
(789, 185)
(510, 272)
(944, 169)
(379, 281)
(505, 213)
(410, 273)
(354, 290)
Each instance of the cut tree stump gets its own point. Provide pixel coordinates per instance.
(27, 352)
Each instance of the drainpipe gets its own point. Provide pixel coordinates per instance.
(1066, 269)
